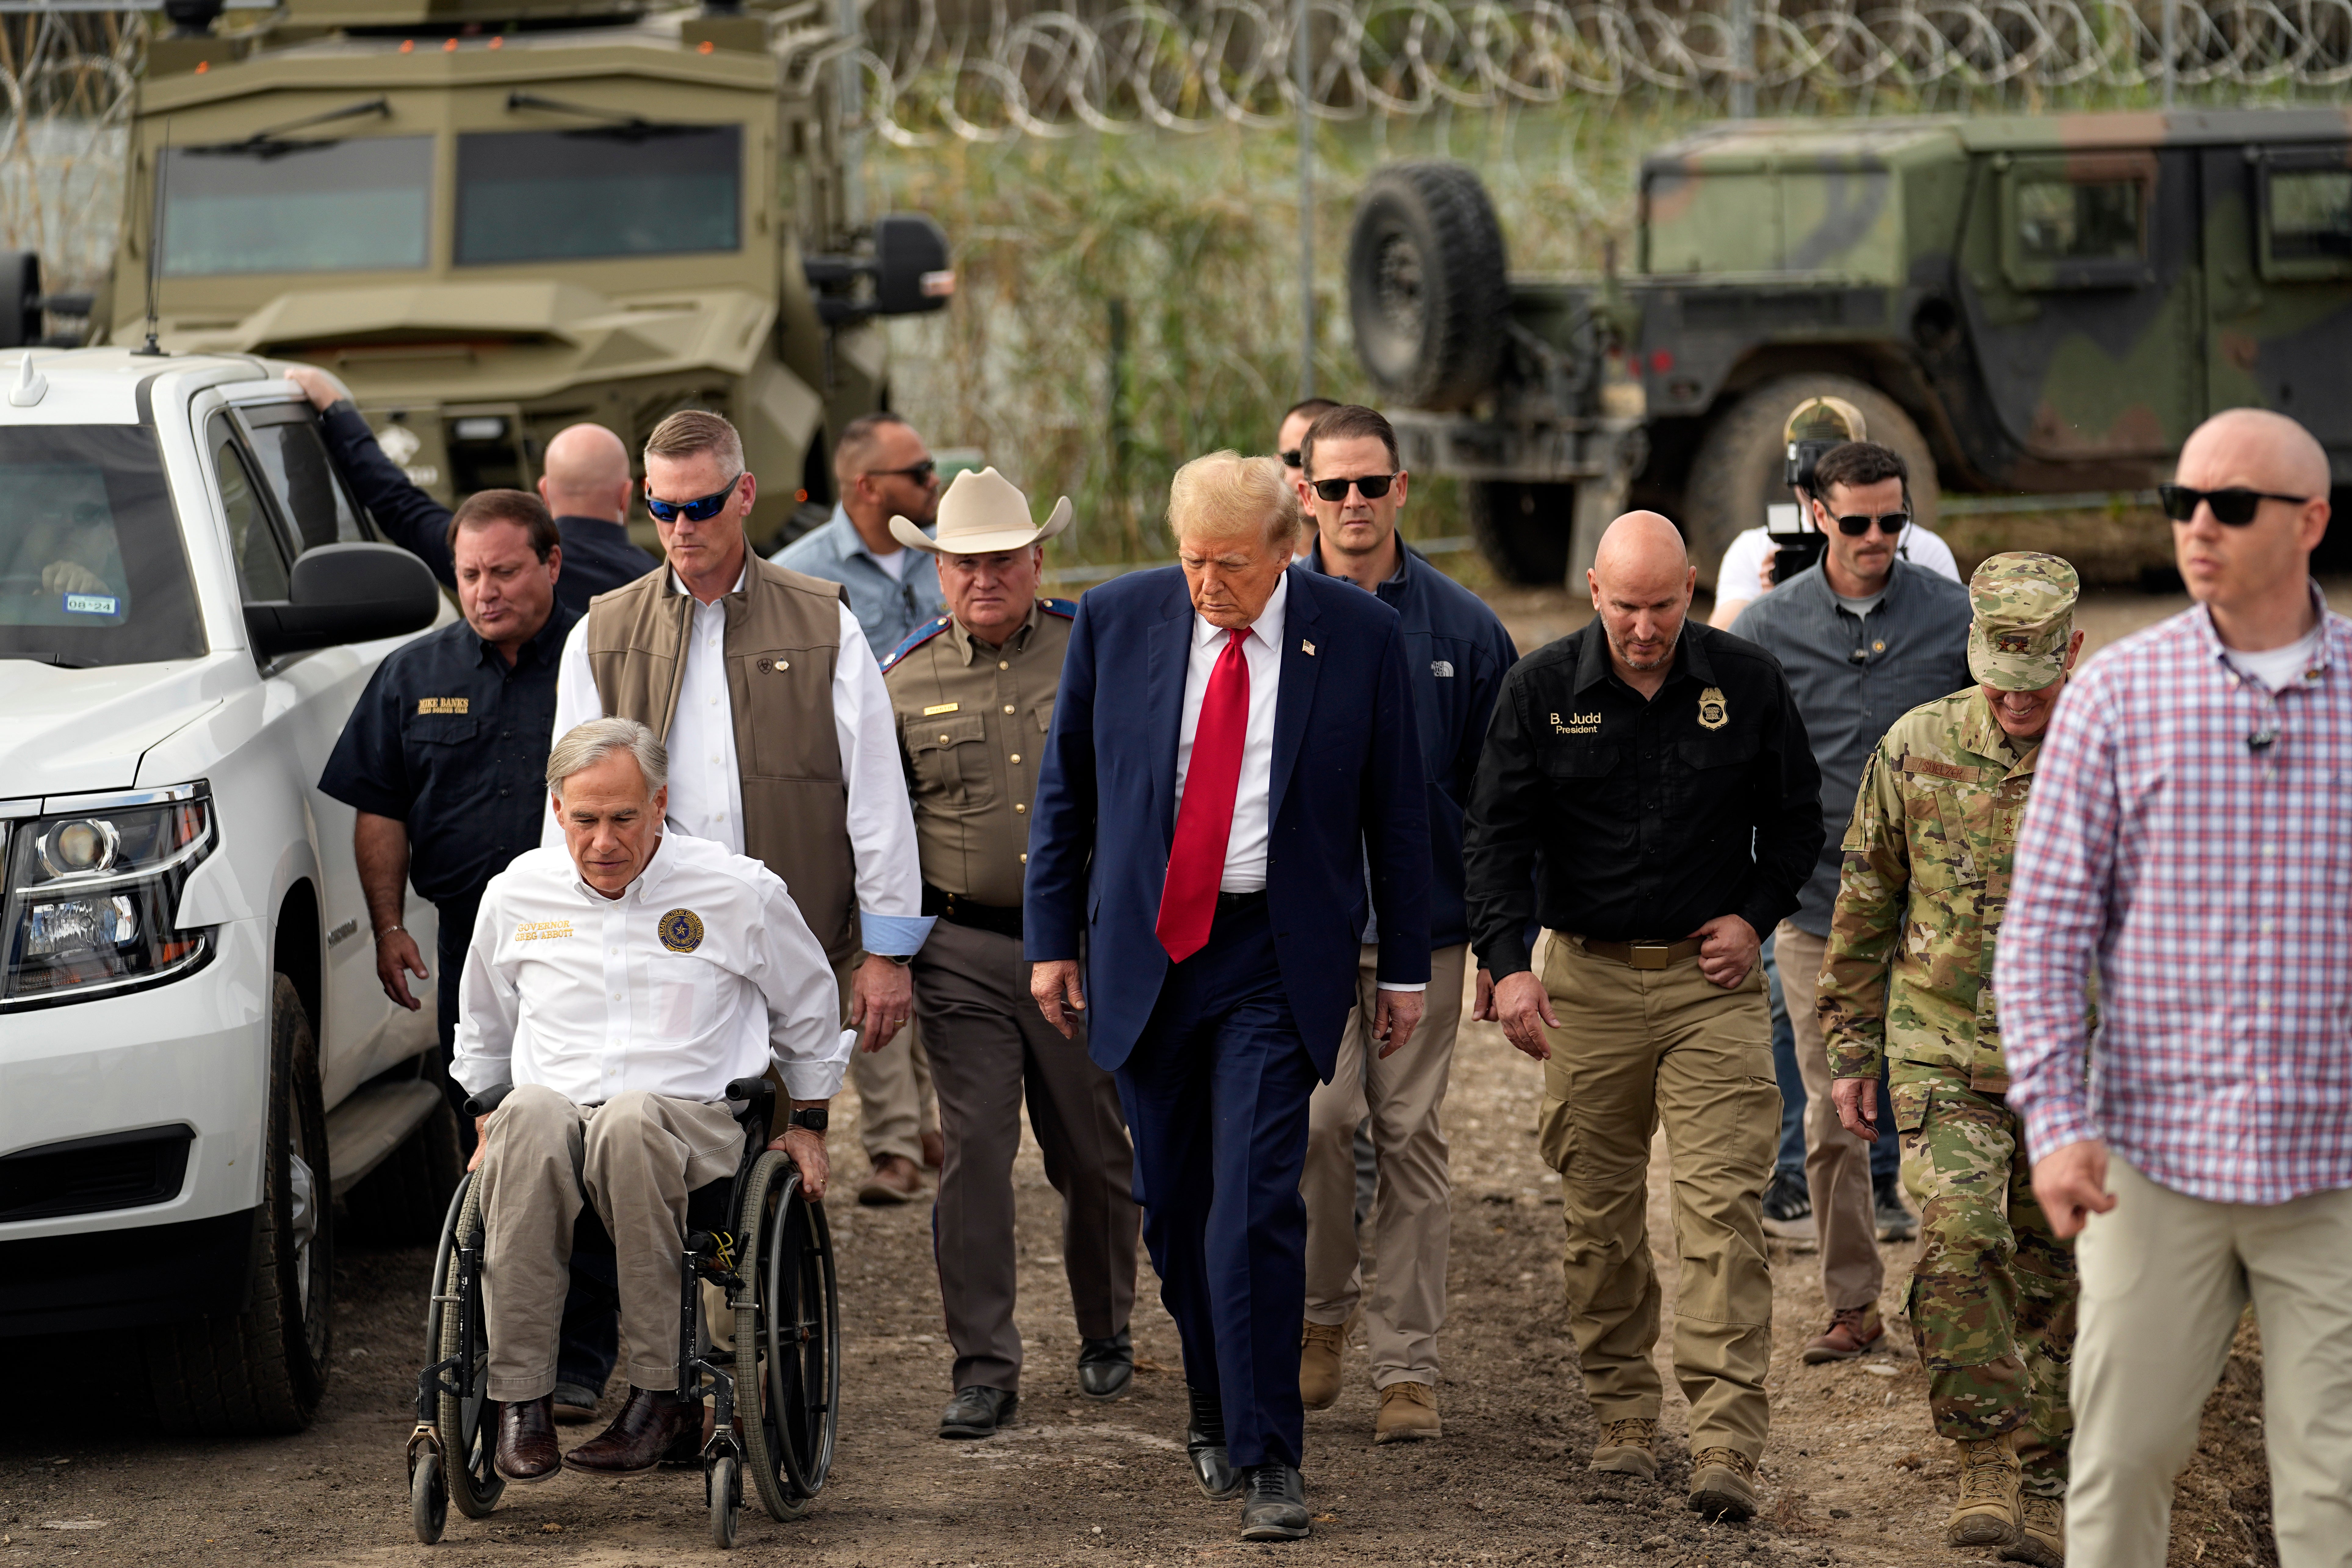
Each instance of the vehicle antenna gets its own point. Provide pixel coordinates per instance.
(156, 244)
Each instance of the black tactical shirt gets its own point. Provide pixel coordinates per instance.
(1653, 816)
(453, 740)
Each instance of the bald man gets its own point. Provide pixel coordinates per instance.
(1654, 774)
(586, 484)
(2189, 836)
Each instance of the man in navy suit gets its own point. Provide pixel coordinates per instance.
(1232, 746)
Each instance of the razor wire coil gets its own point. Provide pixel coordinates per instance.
(1145, 67)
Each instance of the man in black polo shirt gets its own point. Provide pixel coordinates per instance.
(1641, 758)
(584, 480)
(445, 759)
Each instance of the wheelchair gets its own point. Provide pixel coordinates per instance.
(756, 1237)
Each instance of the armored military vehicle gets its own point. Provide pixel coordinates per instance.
(492, 218)
(2034, 305)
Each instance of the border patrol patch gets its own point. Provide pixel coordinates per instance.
(1712, 713)
(681, 930)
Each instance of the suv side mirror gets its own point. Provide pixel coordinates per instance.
(910, 265)
(345, 594)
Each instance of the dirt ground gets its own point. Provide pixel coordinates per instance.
(1854, 1476)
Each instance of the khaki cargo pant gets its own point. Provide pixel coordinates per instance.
(895, 1103)
(1637, 1048)
(636, 1157)
(1411, 1223)
(1837, 1163)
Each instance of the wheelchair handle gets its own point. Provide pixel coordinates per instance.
(482, 1104)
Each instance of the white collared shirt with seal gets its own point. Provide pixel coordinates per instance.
(702, 972)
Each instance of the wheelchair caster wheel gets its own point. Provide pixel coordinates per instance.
(428, 1499)
(725, 1484)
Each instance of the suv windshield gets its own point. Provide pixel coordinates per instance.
(623, 190)
(91, 568)
(297, 206)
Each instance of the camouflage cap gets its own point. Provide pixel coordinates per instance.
(2025, 604)
(1825, 419)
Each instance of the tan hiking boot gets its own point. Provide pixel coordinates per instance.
(1319, 1364)
(1624, 1448)
(1852, 1331)
(1985, 1514)
(2040, 1533)
(1723, 1485)
(1408, 1414)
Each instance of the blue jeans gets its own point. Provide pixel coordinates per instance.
(1791, 1161)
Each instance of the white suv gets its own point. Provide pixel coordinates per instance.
(195, 1057)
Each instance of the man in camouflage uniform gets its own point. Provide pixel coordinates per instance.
(1908, 976)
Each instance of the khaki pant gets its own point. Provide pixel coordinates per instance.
(1636, 1048)
(895, 1103)
(1411, 1221)
(993, 1050)
(2164, 1278)
(1837, 1164)
(636, 1157)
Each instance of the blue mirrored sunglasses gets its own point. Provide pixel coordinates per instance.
(701, 511)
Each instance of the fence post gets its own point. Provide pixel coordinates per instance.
(2171, 49)
(1743, 59)
(1302, 65)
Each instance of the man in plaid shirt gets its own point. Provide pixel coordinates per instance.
(2192, 834)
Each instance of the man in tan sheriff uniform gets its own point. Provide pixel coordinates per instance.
(974, 694)
(1908, 976)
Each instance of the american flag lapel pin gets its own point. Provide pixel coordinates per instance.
(1307, 647)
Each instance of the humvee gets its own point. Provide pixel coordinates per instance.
(2036, 305)
(492, 218)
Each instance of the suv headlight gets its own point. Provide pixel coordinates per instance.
(93, 893)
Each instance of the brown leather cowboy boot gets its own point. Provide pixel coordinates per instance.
(634, 1442)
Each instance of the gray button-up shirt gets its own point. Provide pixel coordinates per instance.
(888, 608)
(1853, 676)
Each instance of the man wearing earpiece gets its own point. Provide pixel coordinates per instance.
(1866, 636)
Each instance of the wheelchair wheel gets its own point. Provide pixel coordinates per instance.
(428, 1503)
(468, 1427)
(787, 1338)
(725, 1484)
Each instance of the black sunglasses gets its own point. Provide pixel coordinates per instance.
(701, 511)
(1891, 523)
(921, 473)
(1371, 487)
(1294, 459)
(2232, 508)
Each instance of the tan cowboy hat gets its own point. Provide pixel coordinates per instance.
(982, 514)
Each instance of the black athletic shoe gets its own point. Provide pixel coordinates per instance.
(1787, 1197)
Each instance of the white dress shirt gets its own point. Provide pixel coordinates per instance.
(701, 973)
(706, 782)
(1253, 808)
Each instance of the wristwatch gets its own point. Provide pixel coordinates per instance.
(812, 1121)
(900, 959)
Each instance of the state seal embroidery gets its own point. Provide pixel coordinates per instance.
(1712, 714)
(681, 930)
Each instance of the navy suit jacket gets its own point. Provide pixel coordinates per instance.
(1347, 793)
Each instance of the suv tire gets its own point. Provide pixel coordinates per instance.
(1427, 291)
(1738, 470)
(1521, 529)
(403, 1202)
(265, 1368)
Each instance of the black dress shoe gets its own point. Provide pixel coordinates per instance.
(646, 1429)
(527, 1450)
(1106, 1366)
(978, 1412)
(1274, 1506)
(1204, 1445)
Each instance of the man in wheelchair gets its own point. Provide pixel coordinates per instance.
(619, 984)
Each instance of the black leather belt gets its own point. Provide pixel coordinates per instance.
(1236, 903)
(957, 910)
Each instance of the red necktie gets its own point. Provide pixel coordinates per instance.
(1196, 861)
